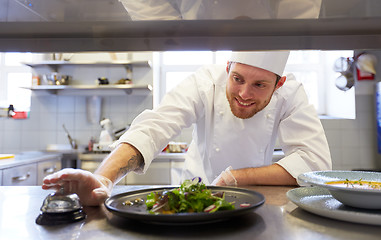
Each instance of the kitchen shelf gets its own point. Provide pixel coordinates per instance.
(54, 65)
(255, 34)
(90, 89)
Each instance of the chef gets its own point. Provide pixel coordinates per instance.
(239, 111)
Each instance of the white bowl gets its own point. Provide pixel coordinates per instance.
(354, 197)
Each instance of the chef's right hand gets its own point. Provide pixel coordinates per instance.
(91, 189)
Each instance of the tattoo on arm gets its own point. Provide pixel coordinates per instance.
(134, 163)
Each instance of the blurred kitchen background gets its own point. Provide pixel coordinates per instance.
(118, 85)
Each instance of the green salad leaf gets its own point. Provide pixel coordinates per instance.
(191, 196)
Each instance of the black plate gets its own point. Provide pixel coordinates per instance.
(116, 205)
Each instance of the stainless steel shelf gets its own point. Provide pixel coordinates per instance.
(324, 34)
(54, 65)
(91, 89)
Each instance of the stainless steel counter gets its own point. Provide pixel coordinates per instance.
(26, 158)
(278, 218)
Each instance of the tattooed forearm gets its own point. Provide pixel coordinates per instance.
(134, 163)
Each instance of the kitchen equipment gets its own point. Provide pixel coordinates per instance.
(350, 195)
(94, 109)
(71, 140)
(176, 147)
(346, 68)
(138, 210)
(103, 81)
(56, 79)
(107, 137)
(367, 62)
(59, 208)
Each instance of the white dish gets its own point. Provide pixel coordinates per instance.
(319, 201)
(354, 197)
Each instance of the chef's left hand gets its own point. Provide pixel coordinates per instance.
(226, 178)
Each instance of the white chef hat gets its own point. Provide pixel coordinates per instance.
(273, 61)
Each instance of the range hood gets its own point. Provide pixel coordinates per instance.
(106, 25)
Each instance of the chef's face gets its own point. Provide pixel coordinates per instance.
(249, 89)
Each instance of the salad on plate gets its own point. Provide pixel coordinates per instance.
(191, 196)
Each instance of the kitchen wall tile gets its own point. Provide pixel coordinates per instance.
(351, 158)
(2, 135)
(49, 121)
(34, 104)
(329, 124)
(12, 124)
(48, 103)
(11, 140)
(66, 104)
(350, 138)
(80, 104)
(2, 120)
(30, 140)
(118, 104)
(66, 119)
(336, 156)
(368, 159)
(334, 137)
(366, 120)
(140, 103)
(82, 123)
(367, 139)
(365, 104)
(348, 124)
(47, 137)
(32, 122)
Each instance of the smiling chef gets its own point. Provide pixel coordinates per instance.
(239, 110)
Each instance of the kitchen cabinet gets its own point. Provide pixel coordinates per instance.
(158, 173)
(47, 167)
(25, 175)
(162, 170)
(28, 169)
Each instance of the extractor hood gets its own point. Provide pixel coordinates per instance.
(108, 25)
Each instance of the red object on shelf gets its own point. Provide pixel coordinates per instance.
(20, 115)
(361, 75)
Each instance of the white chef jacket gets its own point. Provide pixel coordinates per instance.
(221, 9)
(220, 139)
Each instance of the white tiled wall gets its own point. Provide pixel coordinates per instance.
(353, 143)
